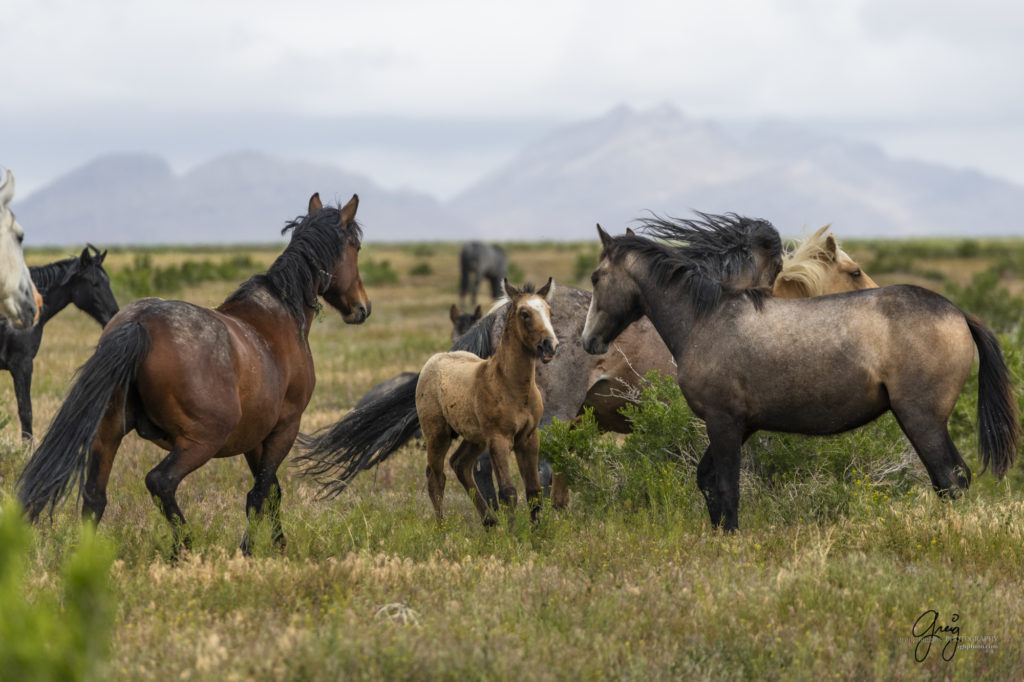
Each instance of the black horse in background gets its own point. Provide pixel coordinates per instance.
(481, 261)
(81, 281)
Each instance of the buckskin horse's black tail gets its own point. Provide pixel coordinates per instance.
(998, 427)
(58, 464)
(372, 432)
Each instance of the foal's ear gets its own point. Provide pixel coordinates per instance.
(606, 239)
(478, 313)
(348, 211)
(453, 313)
(314, 203)
(510, 290)
(547, 291)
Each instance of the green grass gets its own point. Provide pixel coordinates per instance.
(843, 545)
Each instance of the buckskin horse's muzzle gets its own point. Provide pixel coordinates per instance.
(547, 348)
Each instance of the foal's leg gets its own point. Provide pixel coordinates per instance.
(526, 457)
(462, 461)
(438, 438)
(929, 435)
(500, 449)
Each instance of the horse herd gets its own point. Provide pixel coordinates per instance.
(748, 330)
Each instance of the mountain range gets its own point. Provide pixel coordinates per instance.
(611, 170)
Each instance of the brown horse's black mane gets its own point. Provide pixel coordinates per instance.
(702, 255)
(304, 268)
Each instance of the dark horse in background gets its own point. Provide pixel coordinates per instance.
(205, 383)
(747, 361)
(741, 250)
(81, 281)
(480, 261)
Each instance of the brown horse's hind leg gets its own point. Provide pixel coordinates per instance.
(930, 437)
(265, 497)
(163, 480)
(109, 434)
(462, 461)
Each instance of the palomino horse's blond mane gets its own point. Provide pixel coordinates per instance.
(806, 267)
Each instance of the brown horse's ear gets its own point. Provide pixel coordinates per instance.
(478, 313)
(314, 203)
(630, 232)
(453, 313)
(348, 211)
(510, 290)
(547, 290)
(606, 239)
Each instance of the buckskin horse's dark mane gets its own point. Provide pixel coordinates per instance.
(702, 255)
(298, 275)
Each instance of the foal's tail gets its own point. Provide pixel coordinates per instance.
(58, 464)
(374, 431)
(998, 427)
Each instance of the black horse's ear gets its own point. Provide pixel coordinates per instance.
(348, 211)
(85, 257)
(547, 290)
(630, 232)
(606, 239)
(510, 290)
(314, 203)
(453, 313)
(478, 313)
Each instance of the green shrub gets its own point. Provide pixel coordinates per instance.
(377, 273)
(585, 264)
(984, 297)
(50, 638)
(421, 269)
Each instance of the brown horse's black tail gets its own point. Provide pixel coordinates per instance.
(998, 426)
(58, 464)
(374, 430)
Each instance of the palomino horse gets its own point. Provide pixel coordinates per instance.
(492, 404)
(19, 300)
(81, 281)
(746, 362)
(479, 261)
(205, 383)
(817, 266)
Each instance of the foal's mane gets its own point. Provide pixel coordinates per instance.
(304, 268)
(702, 255)
(806, 265)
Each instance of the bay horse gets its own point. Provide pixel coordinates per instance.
(478, 261)
(491, 403)
(81, 281)
(19, 300)
(205, 383)
(746, 362)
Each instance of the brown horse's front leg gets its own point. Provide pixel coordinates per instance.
(526, 457)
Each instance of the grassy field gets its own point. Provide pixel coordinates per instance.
(843, 551)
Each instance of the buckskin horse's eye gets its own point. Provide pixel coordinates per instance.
(856, 273)
(525, 315)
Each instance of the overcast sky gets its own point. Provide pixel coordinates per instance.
(431, 95)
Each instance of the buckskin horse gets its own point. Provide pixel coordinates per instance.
(747, 361)
(205, 383)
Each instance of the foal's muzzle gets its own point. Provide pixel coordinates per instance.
(547, 348)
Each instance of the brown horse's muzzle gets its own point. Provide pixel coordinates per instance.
(547, 348)
(358, 314)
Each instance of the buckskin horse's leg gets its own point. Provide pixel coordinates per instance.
(438, 438)
(526, 457)
(500, 449)
(462, 461)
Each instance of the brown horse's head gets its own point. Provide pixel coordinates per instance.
(616, 302)
(345, 291)
(529, 319)
(817, 267)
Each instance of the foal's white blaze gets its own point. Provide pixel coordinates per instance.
(545, 314)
